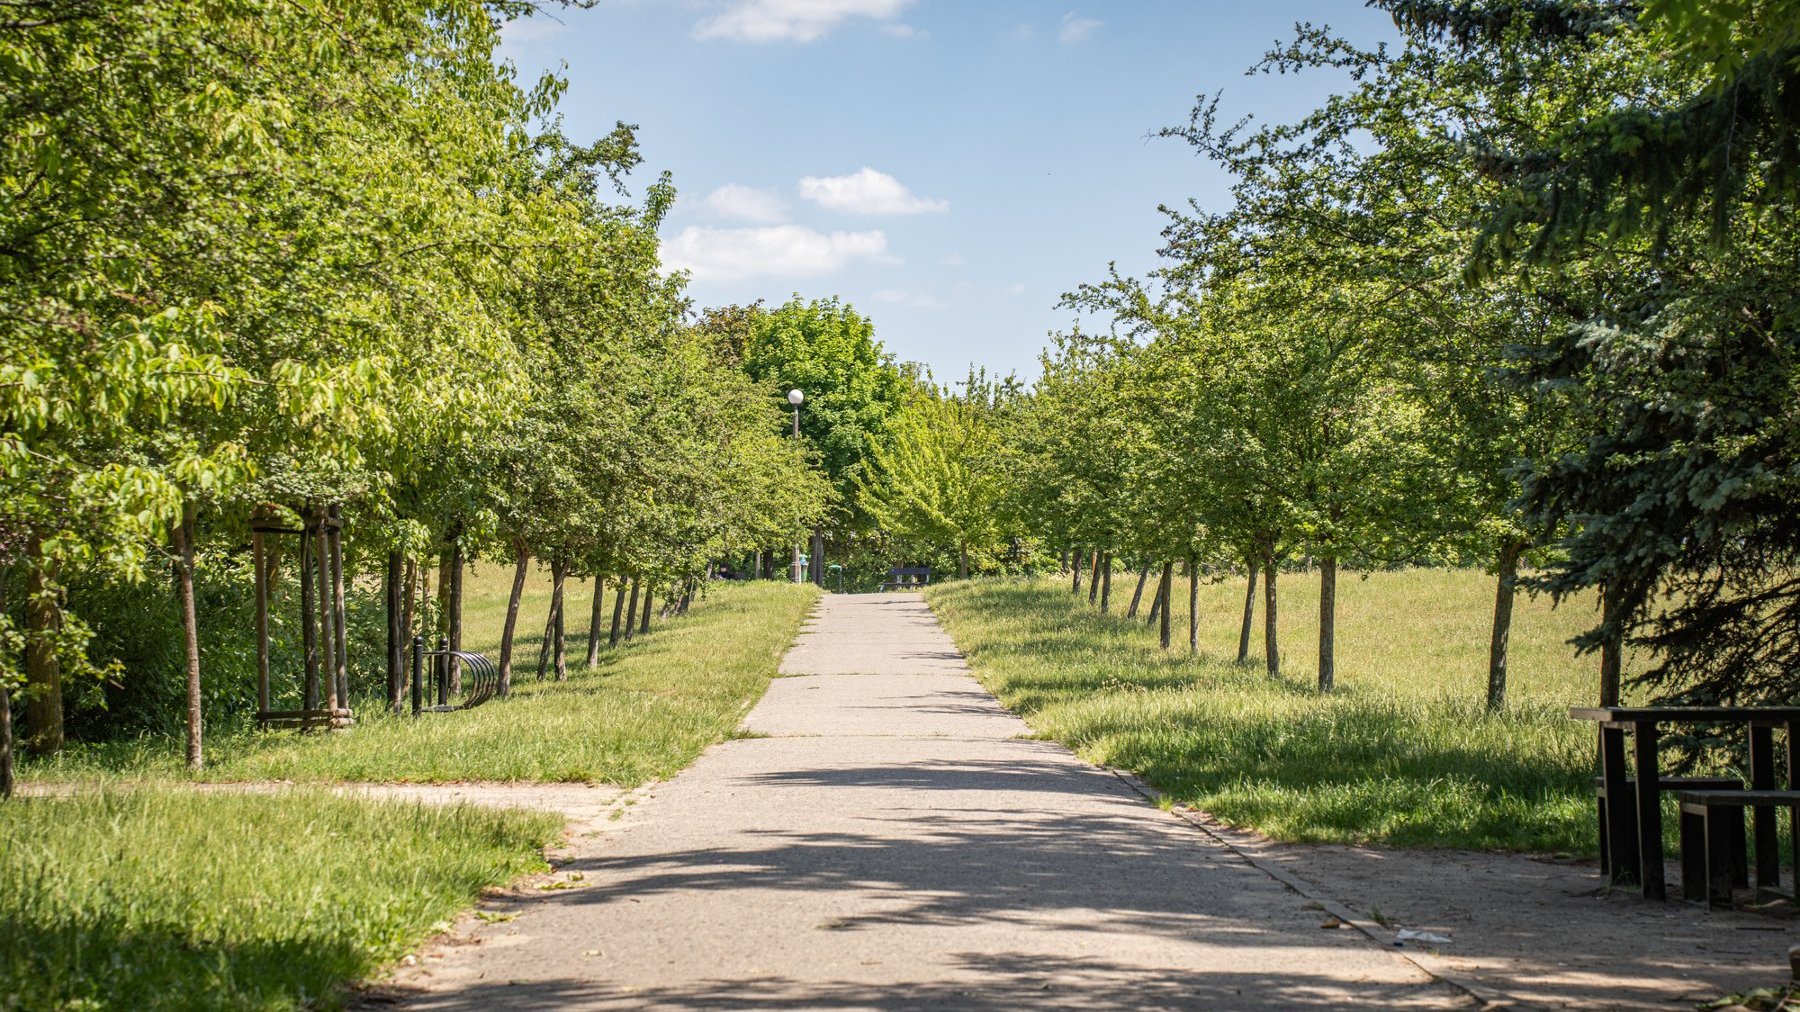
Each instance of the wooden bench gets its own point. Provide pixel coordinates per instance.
(1714, 856)
(1632, 834)
(907, 577)
(1662, 783)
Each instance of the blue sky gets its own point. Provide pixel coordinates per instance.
(949, 167)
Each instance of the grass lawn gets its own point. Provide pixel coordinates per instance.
(645, 711)
(135, 893)
(1401, 753)
(152, 897)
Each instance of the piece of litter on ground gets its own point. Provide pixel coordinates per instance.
(1333, 922)
(1428, 937)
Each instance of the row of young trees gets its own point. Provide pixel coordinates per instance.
(1522, 292)
(261, 258)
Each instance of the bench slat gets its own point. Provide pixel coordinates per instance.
(1739, 799)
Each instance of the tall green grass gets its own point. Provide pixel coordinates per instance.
(1402, 752)
(645, 711)
(149, 897)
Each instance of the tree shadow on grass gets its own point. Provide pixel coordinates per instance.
(95, 961)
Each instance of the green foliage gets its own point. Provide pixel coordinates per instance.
(153, 898)
(1651, 165)
(937, 478)
(365, 269)
(828, 352)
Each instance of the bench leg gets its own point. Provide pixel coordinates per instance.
(1605, 863)
(1621, 810)
(1762, 778)
(1718, 858)
(1693, 856)
(1740, 850)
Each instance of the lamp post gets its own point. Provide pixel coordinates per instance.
(796, 570)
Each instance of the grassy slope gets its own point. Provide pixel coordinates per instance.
(158, 898)
(644, 712)
(1401, 753)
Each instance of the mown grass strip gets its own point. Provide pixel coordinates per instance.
(1402, 753)
(158, 897)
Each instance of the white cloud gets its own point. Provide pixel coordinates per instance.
(955, 260)
(1076, 28)
(793, 20)
(867, 192)
(902, 30)
(730, 254)
(1015, 288)
(523, 31)
(746, 203)
(901, 297)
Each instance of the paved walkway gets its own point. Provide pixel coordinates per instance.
(886, 838)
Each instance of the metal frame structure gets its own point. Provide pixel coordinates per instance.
(322, 618)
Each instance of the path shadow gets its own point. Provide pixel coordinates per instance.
(990, 982)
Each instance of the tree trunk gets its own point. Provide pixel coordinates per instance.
(549, 638)
(309, 621)
(816, 562)
(6, 734)
(1508, 567)
(644, 612)
(1249, 615)
(1094, 577)
(612, 640)
(1271, 649)
(1156, 602)
(1106, 583)
(521, 568)
(1075, 567)
(327, 643)
(1611, 664)
(443, 598)
(1193, 566)
(454, 619)
(559, 574)
(1327, 623)
(1138, 594)
(443, 593)
(6, 743)
(408, 595)
(631, 614)
(190, 633)
(396, 658)
(43, 669)
(340, 611)
(962, 562)
(594, 617)
(1168, 581)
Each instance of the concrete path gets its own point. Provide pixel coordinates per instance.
(893, 842)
